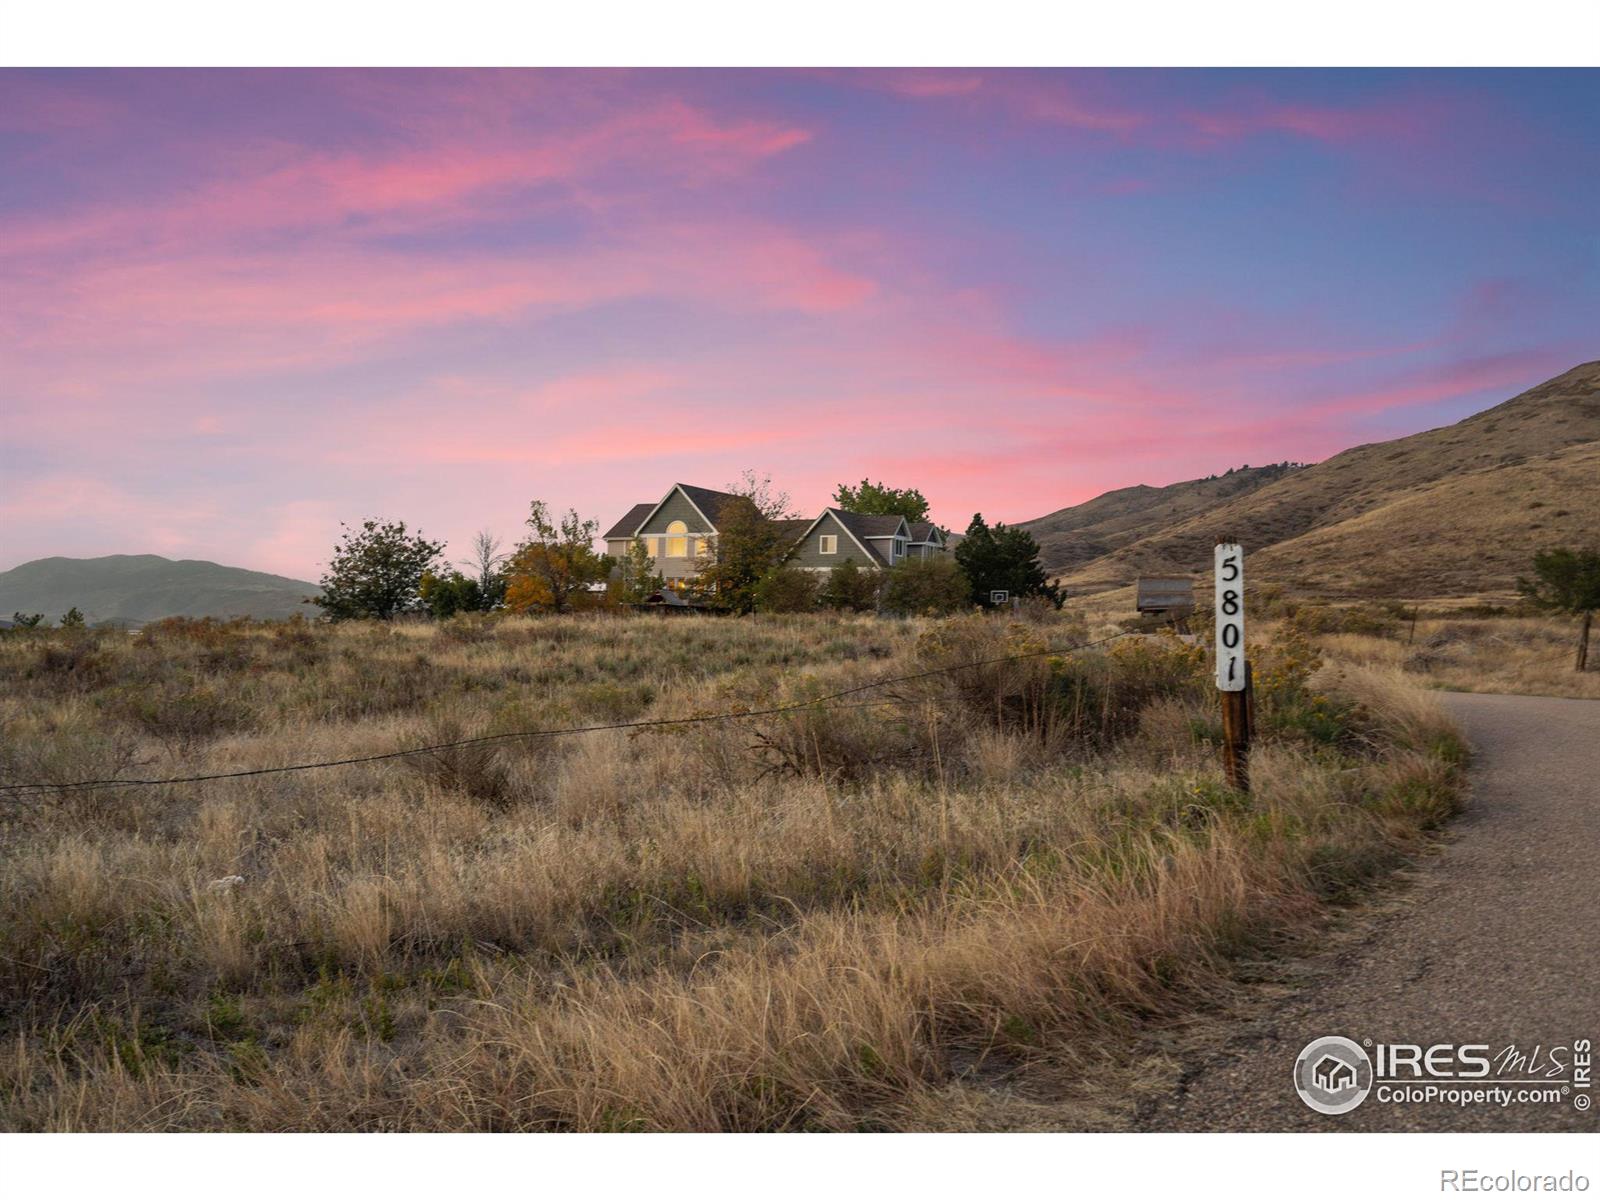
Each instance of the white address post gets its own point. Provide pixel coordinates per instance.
(1230, 616)
(1233, 669)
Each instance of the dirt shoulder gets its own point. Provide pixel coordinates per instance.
(1496, 942)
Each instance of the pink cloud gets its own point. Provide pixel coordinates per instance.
(274, 188)
(1432, 385)
(924, 85)
(218, 313)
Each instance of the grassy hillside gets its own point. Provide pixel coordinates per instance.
(1507, 479)
(135, 588)
(1073, 536)
(1467, 534)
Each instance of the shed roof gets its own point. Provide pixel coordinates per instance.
(1165, 591)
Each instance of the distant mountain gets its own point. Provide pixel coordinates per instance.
(1458, 510)
(135, 588)
(1071, 537)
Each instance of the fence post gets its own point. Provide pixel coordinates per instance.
(1234, 682)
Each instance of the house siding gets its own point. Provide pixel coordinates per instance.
(809, 553)
(676, 508)
(885, 547)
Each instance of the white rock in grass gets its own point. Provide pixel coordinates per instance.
(226, 884)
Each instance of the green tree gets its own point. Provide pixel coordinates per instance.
(1004, 558)
(929, 587)
(786, 589)
(878, 498)
(748, 545)
(851, 589)
(30, 621)
(449, 593)
(638, 578)
(376, 571)
(72, 618)
(556, 563)
(751, 540)
(1567, 581)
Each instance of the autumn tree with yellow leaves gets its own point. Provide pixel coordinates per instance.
(555, 566)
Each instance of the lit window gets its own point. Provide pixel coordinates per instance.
(677, 543)
(828, 543)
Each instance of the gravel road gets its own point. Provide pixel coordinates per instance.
(1498, 943)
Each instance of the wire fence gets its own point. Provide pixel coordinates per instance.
(825, 702)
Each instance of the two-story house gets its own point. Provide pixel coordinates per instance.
(682, 527)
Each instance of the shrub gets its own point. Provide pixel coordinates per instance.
(449, 594)
(850, 589)
(786, 590)
(181, 717)
(932, 587)
(477, 770)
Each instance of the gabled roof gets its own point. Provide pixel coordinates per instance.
(857, 526)
(707, 503)
(865, 525)
(792, 529)
(926, 531)
(629, 525)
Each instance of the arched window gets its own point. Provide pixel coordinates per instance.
(677, 542)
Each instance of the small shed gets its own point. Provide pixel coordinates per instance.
(669, 601)
(1165, 595)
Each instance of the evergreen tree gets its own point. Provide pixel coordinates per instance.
(1003, 558)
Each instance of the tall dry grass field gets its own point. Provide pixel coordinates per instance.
(1528, 656)
(838, 917)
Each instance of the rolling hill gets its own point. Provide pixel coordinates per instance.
(1452, 511)
(135, 588)
(1071, 537)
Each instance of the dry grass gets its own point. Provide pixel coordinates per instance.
(814, 921)
(1529, 656)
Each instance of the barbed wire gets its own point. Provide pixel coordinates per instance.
(18, 791)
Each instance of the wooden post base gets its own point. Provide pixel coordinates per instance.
(1238, 719)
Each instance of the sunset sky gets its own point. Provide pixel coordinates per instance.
(237, 308)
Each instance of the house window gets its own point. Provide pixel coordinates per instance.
(677, 543)
(650, 547)
(828, 543)
(899, 547)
